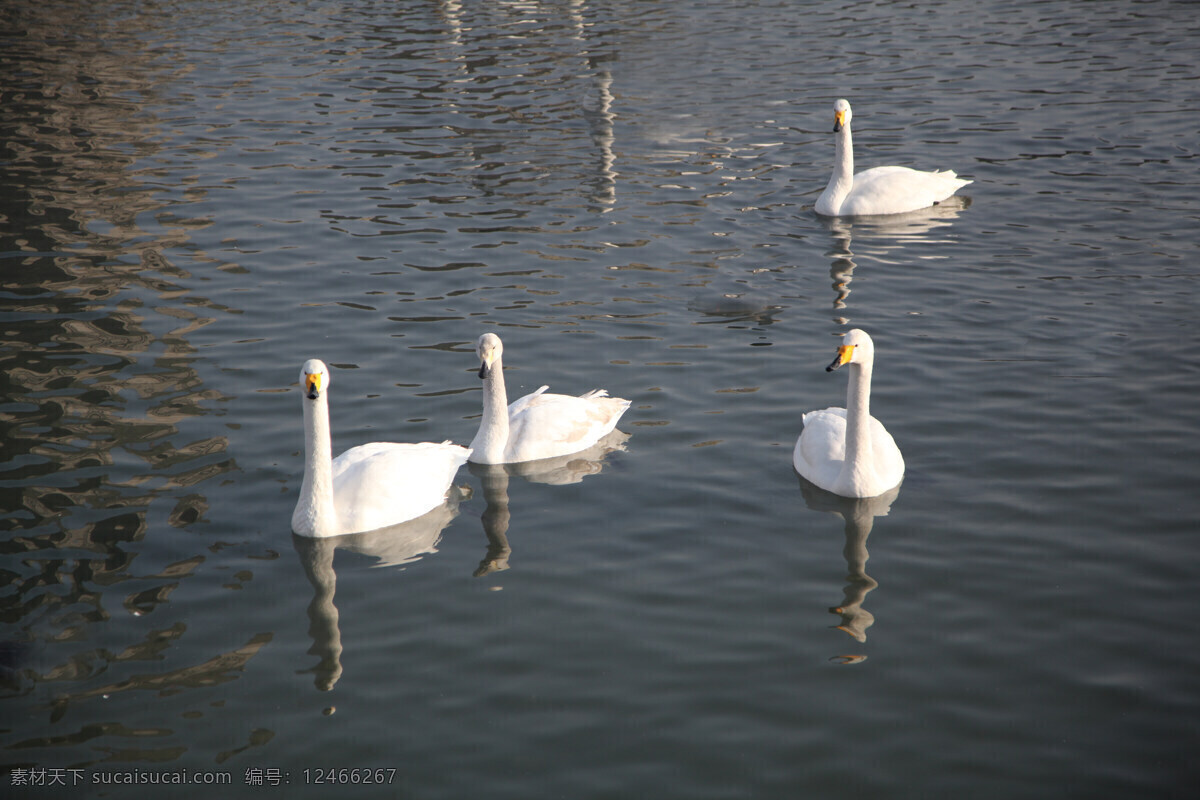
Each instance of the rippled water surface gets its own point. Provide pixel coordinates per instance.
(196, 196)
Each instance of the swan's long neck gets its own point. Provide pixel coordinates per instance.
(842, 180)
(492, 438)
(858, 420)
(315, 514)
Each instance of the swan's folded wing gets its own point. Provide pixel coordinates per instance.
(822, 443)
(549, 425)
(522, 403)
(893, 190)
(383, 483)
(889, 463)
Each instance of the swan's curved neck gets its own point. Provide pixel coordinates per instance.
(315, 513)
(842, 179)
(490, 441)
(858, 419)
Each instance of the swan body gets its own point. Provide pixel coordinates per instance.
(367, 487)
(845, 450)
(538, 425)
(880, 190)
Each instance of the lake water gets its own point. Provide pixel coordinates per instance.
(198, 196)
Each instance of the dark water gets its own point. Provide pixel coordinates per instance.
(198, 196)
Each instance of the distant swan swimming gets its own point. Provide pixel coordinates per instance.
(880, 190)
(845, 450)
(538, 425)
(367, 487)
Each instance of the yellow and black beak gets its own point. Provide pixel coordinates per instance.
(845, 353)
(485, 365)
(839, 120)
(312, 385)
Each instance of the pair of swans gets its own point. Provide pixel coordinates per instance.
(880, 190)
(846, 451)
(385, 483)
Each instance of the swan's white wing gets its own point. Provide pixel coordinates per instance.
(895, 190)
(521, 403)
(821, 448)
(886, 457)
(380, 484)
(546, 425)
(820, 454)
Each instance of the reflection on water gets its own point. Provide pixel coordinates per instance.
(390, 547)
(571, 468)
(106, 450)
(883, 239)
(557, 471)
(495, 517)
(733, 300)
(600, 119)
(216, 670)
(859, 515)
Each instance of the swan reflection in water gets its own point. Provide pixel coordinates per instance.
(557, 471)
(859, 515)
(391, 546)
(880, 238)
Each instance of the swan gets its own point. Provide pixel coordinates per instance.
(367, 487)
(538, 425)
(845, 450)
(880, 190)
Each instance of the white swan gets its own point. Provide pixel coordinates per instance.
(538, 425)
(367, 487)
(845, 450)
(880, 190)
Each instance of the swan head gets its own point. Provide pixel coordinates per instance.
(314, 378)
(856, 348)
(841, 114)
(489, 350)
